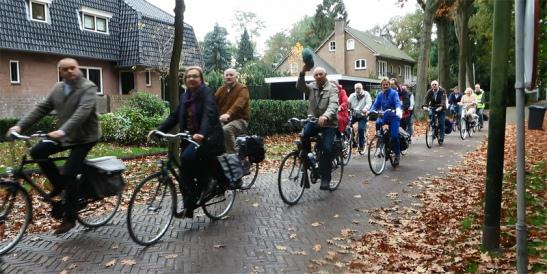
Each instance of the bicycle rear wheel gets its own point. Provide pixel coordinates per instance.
(151, 209)
(337, 171)
(290, 178)
(376, 155)
(219, 203)
(429, 135)
(99, 211)
(250, 179)
(15, 214)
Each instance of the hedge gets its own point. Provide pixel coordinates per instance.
(270, 116)
(47, 124)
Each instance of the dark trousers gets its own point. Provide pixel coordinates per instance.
(327, 147)
(194, 174)
(394, 123)
(361, 128)
(66, 180)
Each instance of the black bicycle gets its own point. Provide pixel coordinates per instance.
(154, 200)
(299, 168)
(432, 132)
(380, 149)
(16, 203)
(250, 168)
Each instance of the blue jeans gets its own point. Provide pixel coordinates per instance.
(361, 128)
(393, 122)
(479, 112)
(440, 120)
(327, 147)
(409, 127)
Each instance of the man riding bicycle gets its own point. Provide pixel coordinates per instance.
(323, 97)
(359, 104)
(453, 100)
(435, 99)
(386, 99)
(74, 102)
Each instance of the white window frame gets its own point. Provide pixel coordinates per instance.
(400, 71)
(99, 88)
(96, 14)
(332, 46)
(18, 81)
(350, 44)
(148, 78)
(360, 64)
(408, 74)
(293, 68)
(382, 68)
(44, 3)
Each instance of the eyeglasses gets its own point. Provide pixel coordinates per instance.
(192, 76)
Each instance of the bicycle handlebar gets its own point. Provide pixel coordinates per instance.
(18, 136)
(302, 122)
(181, 135)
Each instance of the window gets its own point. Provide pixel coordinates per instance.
(408, 74)
(95, 75)
(148, 78)
(39, 10)
(350, 44)
(400, 71)
(360, 64)
(94, 20)
(332, 46)
(382, 68)
(293, 68)
(14, 72)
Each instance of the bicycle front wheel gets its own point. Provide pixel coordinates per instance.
(376, 155)
(429, 136)
(99, 211)
(15, 215)
(337, 171)
(220, 203)
(250, 179)
(290, 178)
(463, 129)
(346, 149)
(151, 209)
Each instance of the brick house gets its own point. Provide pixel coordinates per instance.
(121, 45)
(349, 56)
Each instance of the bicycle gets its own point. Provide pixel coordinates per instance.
(251, 169)
(15, 198)
(467, 125)
(154, 202)
(456, 117)
(432, 131)
(298, 168)
(347, 139)
(380, 148)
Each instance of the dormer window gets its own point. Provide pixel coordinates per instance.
(332, 46)
(94, 20)
(350, 44)
(39, 10)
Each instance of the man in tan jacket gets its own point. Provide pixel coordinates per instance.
(74, 101)
(233, 105)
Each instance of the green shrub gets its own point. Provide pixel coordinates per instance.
(270, 116)
(46, 124)
(148, 103)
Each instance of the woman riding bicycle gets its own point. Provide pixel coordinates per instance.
(469, 102)
(389, 99)
(196, 113)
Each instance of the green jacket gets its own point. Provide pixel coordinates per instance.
(480, 103)
(323, 100)
(76, 112)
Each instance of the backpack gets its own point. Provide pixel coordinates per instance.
(253, 147)
(447, 126)
(232, 169)
(102, 177)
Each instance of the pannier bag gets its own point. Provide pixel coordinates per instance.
(253, 147)
(232, 169)
(103, 177)
(404, 139)
(447, 126)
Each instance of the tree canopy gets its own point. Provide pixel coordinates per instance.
(215, 49)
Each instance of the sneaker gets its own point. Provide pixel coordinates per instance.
(396, 160)
(441, 141)
(64, 227)
(325, 184)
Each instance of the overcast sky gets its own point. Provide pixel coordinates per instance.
(279, 15)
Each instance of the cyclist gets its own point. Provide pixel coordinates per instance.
(233, 103)
(453, 100)
(404, 97)
(196, 113)
(74, 102)
(343, 113)
(323, 97)
(388, 98)
(469, 100)
(359, 103)
(480, 103)
(435, 99)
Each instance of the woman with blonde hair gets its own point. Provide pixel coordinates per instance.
(469, 102)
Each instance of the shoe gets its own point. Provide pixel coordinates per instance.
(361, 149)
(55, 192)
(325, 184)
(441, 141)
(64, 227)
(189, 213)
(396, 160)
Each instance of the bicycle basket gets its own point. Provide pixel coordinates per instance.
(102, 177)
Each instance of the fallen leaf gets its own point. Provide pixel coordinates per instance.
(292, 236)
(255, 205)
(316, 224)
(280, 247)
(316, 248)
(111, 263)
(65, 258)
(358, 196)
(128, 262)
(303, 253)
(218, 246)
(171, 256)
(336, 216)
(72, 266)
(63, 272)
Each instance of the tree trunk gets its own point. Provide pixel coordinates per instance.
(496, 125)
(469, 65)
(442, 42)
(425, 47)
(462, 19)
(174, 66)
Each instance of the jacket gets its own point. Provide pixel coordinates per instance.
(76, 112)
(235, 102)
(208, 121)
(386, 100)
(323, 100)
(343, 114)
(439, 101)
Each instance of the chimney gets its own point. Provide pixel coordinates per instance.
(340, 40)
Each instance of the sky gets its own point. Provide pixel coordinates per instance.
(279, 15)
